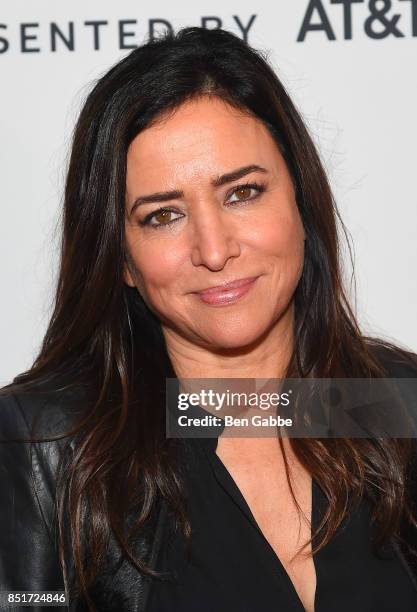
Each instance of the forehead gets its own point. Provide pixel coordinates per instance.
(202, 135)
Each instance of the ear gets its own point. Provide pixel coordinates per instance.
(127, 276)
(304, 232)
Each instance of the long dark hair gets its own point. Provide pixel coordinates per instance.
(104, 339)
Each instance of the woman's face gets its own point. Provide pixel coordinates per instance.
(218, 229)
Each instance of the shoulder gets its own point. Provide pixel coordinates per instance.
(41, 409)
(397, 362)
(398, 382)
(36, 438)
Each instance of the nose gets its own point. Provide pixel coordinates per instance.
(214, 238)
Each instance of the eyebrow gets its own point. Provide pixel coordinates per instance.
(164, 196)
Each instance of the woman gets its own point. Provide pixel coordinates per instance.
(191, 169)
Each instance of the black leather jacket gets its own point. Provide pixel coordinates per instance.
(28, 553)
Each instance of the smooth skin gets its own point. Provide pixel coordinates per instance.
(216, 231)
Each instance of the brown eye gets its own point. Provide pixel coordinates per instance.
(163, 216)
(243, 193)
(160, 218)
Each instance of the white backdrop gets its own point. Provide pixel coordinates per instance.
(351, 70)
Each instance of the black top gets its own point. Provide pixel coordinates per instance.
(233, 568)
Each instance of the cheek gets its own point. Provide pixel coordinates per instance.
(281, 234)
(156, 266)
(280, 239)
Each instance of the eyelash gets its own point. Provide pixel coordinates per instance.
(260, 188)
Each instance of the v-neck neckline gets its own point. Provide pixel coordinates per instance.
(229, 484)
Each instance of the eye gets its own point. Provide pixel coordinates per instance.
(163, 216)
(243, 192)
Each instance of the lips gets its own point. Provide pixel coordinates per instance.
(229, 293)
(227, 286)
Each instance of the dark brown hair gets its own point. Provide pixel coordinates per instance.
(103, 338)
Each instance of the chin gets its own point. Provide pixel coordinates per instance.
(237, 336)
